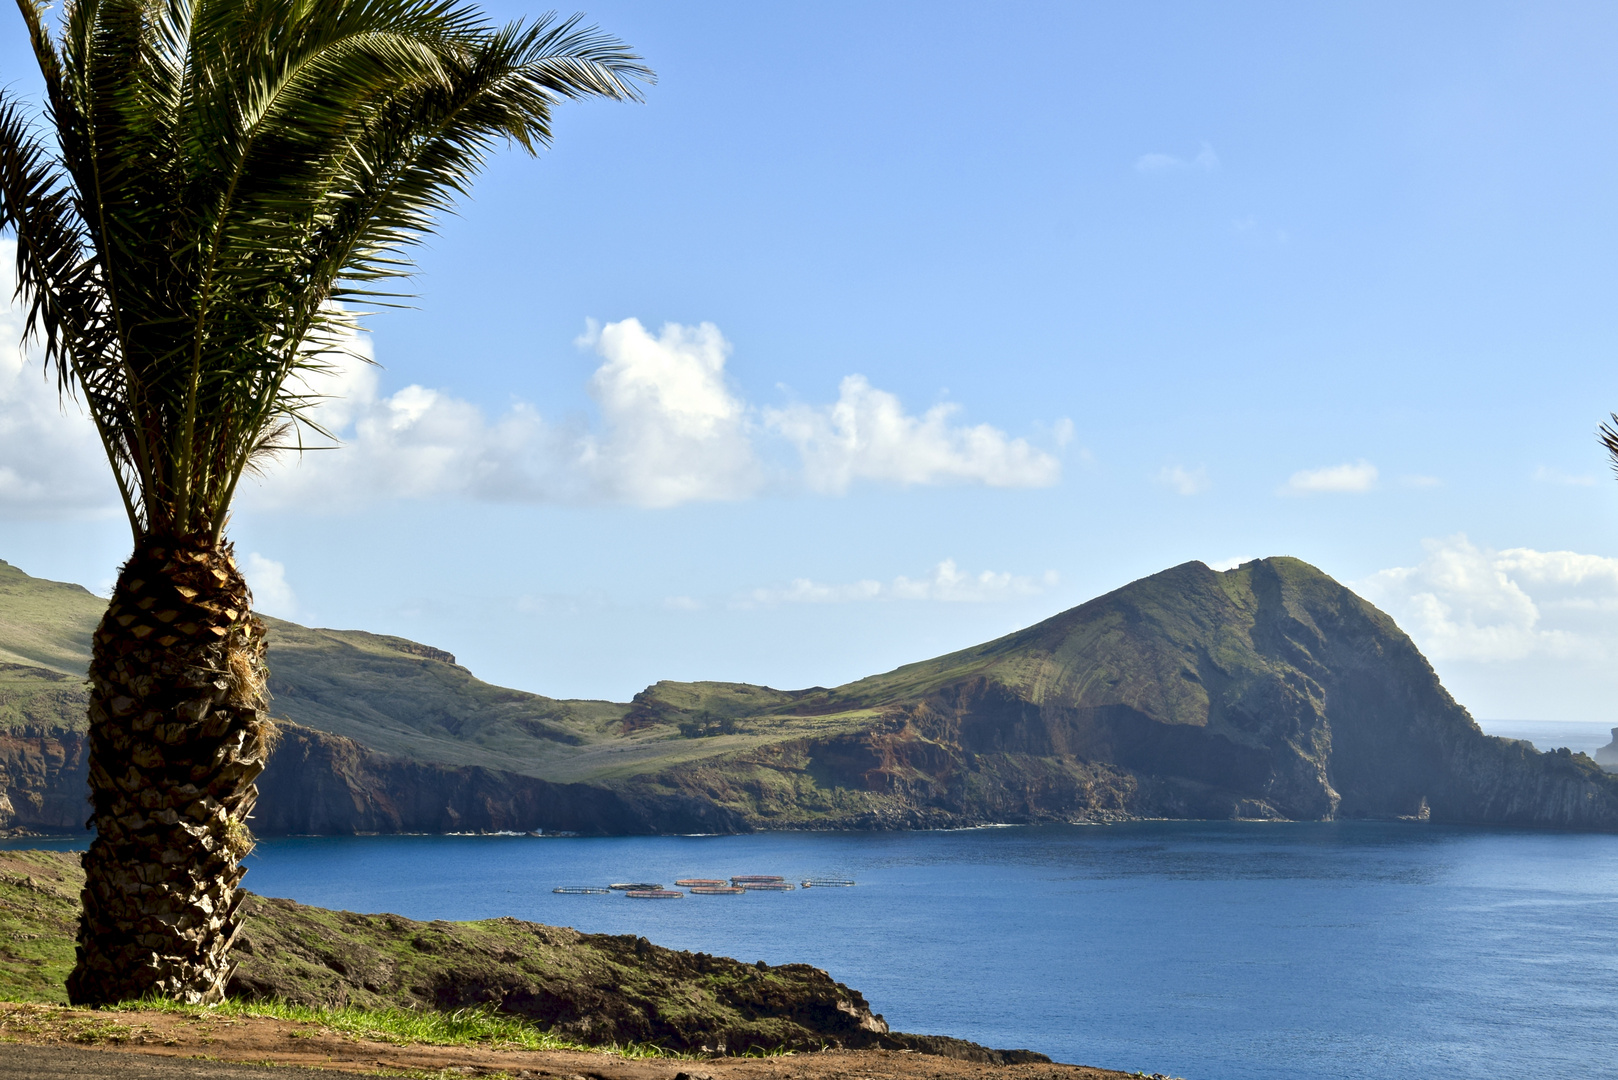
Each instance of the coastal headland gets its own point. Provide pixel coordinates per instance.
(1269, 691)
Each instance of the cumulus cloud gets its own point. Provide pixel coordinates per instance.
(1463, 602)
(867, 435)
(417, 443)
(947, 583)
(51, 462)
(1205, 160)
(671, 430)
(674, 431)
(271, 593)
(1356, 478)
(1184, 481)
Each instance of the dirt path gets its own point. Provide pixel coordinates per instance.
(66, 1063)
(48, 1041)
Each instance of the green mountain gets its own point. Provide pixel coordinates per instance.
(1268, 691)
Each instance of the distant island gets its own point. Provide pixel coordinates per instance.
(1267, 692)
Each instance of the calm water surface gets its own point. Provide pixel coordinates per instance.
(1203, 950)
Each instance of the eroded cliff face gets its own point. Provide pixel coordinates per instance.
(317, 783)
(44, 779)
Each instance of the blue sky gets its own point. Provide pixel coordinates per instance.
(1004, 307)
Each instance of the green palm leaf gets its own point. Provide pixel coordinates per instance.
(226, 174)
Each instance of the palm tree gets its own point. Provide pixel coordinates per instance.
(227, 176)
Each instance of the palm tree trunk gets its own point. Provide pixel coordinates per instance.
(178, 734)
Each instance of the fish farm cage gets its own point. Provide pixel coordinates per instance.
(653, 890)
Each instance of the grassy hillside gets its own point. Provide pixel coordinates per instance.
(46, 624)
(401, 697)
(385, 692)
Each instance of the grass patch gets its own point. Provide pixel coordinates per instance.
(481, 1026)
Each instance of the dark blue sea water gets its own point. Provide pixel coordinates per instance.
(1212, 951)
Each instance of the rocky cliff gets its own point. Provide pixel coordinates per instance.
(324, 784)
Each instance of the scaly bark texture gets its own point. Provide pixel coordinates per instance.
(178, 734)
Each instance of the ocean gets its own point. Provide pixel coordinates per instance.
(1205, 950)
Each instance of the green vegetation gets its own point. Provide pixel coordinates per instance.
(39, 912)
(476, 1026)
(47, 625)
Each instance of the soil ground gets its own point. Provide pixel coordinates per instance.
(46, 1041)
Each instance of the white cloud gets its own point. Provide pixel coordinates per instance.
(671, 431)
(1547, 475)
(947, 584)
(271, 593)
(1463, 602)
(51, 462)
(1355, 478)
(1231, 563)
(1205, 160)
(674, 431)
(867, 435)
(419, 443)
(1183, 480)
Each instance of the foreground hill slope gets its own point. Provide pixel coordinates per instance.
(1267, 691)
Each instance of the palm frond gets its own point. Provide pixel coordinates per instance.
(1609, 439)
(229, 171)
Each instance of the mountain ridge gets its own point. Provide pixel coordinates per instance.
(1266, 691)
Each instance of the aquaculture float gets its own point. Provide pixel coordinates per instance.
(654, 894)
